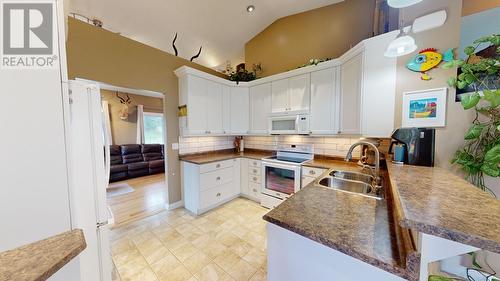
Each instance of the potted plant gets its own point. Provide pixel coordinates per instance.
(481, 153)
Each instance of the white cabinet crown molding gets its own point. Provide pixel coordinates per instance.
(357, 49)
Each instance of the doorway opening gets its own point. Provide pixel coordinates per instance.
(136, 125)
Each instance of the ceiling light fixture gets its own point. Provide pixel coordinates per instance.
(403, 44)
(402, 3)
(250, 8)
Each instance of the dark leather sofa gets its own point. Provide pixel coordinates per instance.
(136, 160)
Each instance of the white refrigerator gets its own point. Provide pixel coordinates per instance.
(88, 138)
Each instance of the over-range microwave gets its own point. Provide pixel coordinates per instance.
(289, 124)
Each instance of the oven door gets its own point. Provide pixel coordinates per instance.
(280, 180)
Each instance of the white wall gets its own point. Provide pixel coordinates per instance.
(34, 200)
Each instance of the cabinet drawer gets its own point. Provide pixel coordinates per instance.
(254, 178)
(254, 163)
(307, 180)
(312, 172)
(213, 196)
(205, 168)
(216, 178)
(254, 171)
(254, 190)
(270, 201)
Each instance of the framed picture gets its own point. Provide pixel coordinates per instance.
(426, 108)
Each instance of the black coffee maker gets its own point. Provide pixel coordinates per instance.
(418, 145)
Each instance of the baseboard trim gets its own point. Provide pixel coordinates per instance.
(174, 205)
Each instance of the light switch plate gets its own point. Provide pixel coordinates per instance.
(175, 146)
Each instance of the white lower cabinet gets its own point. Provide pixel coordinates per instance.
(310, 174)
(210, 185)
(253, 175)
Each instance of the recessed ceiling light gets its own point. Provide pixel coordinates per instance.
(250, 8)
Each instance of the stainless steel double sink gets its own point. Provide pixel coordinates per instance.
(353, 182)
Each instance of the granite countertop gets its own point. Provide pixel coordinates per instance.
(40, 260)
(436, 202)
(220, 155)
(333, 163)
(358, 226)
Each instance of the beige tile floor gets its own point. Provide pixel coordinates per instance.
(227, 243)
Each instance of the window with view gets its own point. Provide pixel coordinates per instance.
(153, 128)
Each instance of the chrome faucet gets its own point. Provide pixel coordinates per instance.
(348, 157)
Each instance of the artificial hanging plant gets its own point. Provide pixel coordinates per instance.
(481, 153)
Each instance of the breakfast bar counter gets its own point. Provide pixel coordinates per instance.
(425, 200)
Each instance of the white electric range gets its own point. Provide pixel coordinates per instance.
(282, 173)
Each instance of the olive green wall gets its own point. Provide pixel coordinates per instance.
(325, 32)
(97, 54)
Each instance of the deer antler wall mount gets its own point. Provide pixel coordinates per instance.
(177, 52)
(126, 102)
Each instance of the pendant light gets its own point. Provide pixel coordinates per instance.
(398, 4)
(403, 44)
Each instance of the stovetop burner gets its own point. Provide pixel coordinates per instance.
(287, 159)
(293, 154)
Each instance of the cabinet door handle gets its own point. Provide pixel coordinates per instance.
(312, 172)
(217, 166)
(255, 178)
(218, 178)
(277, 194)
(218, 194)
(254, 190)
(255, 171)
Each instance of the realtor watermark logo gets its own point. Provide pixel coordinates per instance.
(27, 35)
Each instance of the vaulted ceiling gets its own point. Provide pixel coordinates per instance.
(222, 27)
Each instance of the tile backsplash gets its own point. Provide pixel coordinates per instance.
(329, 146)
(190, 145)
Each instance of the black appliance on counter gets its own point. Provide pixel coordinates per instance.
(418, 145)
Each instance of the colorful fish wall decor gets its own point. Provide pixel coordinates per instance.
(427, 59)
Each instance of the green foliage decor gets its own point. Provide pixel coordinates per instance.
(481, 153)
(242, 75)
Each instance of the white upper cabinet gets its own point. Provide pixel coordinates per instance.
(299, 92)
(324, 104)
(239, 107)
(226, 109)
(350, 95)
(198, 95)
(291, 94)
(280, 97)
(379, 89)
(213, 108)
(260, 108)
(196, 100)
